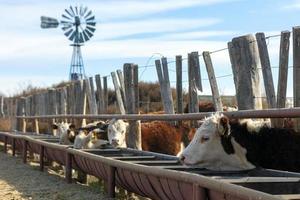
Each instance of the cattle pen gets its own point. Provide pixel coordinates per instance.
(155, 175)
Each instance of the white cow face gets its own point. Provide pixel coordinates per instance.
(213, 148)
(65, 131)
(117, 133)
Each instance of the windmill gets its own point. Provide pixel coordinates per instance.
(78, 25)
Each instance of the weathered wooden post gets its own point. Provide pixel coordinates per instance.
(234, 65)
(68, 170)
(90, 94)
(266, 69)
(42, 161)
(51, 107)
(21, 123)
(195, 84)
(246, 62)
(213, 81)
(132, 101)
(296, 71)
(122, 86)
(1, 106)
(118, 93)
(105, 94)
(100, 95)
(283, 71)
(111, 182)
(80, 99)
(179, 95)
(165, 89)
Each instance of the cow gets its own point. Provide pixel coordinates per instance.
(157, 136)
(223, 144)
(91, 136)
(65, 131)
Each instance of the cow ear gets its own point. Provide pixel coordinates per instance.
(103, 125)
(223, 126)
(54, 126)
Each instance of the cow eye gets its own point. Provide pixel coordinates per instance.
(204, 139)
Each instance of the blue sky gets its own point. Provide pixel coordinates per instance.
(133, 31)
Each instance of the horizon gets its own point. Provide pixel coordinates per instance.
(131, 31)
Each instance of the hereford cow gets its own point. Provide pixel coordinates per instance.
(223, 144)
(65, 131)
(91, 136)
(157, 136)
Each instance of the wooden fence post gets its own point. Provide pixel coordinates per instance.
(21, 123)
(122, 86)
(296, 71)
(105, 94)
(194, 84)
(165, 89)
(131, 93)
(80, 99)
(35, 111)
(179, 95)
(234, 66)
(266, 69)
(90, 94)
(246, 57)
(213, 81)
(51, 107)
(100, 95)
(118, 93)
(283, 71)
(1, 106)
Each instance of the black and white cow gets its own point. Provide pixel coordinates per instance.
(223, 144)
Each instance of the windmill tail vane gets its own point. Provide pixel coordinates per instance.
(78, 24)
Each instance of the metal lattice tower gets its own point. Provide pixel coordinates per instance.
(78, 25)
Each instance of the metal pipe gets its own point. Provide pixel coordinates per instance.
(267, 113)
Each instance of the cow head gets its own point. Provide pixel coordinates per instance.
(65, 131)
(117, 132)
(213, 147)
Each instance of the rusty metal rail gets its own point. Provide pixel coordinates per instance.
(267, 113)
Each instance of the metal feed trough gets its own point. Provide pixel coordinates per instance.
(157, 176)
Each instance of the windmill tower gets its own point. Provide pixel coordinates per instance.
(78, 25)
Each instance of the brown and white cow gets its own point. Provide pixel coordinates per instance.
(157, 136)
(223, 144)
(65, 132)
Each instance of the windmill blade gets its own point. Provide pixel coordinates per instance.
(89, 33)
(49, 22)
(66, 17)
(80, 10)
(66, 27)
(72, 36)
(69, 13)
(88, 14)
(84, 11)
(91, 23)
(92, 29)
(91, 18)
(86, 37)
(71, 8)
(69, 32)
(66, 22)
(76, 9)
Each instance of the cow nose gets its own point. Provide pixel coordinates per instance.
(115, 140)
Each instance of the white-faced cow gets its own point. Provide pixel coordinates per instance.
(223, 144)
(157, 136)
(91, 136)
(65, 131)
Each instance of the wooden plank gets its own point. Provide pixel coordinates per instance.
(193, 94)
(179, 95)
(100, 94)
(213, 81)
(133, 139)
(122, 86)
(80, 101)
(156, 162)
(197, 73)
(296, 71)
(259, 179)
(167, 87)
(111, 182)
(105, 94)
(246, 57)
(283, 71)
(1, 106)
(266, 69)
(90, 94)
(118, 93)
(288, 196)
(161, 83)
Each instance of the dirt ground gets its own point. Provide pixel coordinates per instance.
(26, 182)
